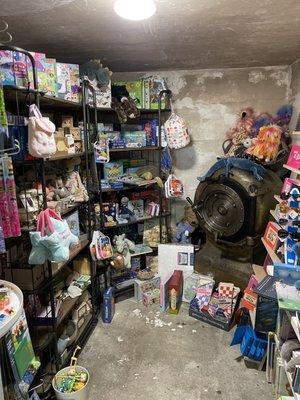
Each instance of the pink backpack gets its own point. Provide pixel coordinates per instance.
(41, 141)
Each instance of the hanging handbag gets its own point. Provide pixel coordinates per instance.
(52, 239)
(41, 141)
(176, 131)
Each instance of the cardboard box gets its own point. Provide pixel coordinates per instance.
(71, 130)
(20, 69)
(61, 145)
(79, 146)
(67, 122)
(108, 307)
(75, 83)
(135, 139)
(40, 66)
(175, 288)
(63, 80)
(47, 79)
(82, 266)
(7, 76)
(73, 223)
(267, 307)
(141, 287)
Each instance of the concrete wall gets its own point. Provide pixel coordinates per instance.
(295, 92)
(210, 101)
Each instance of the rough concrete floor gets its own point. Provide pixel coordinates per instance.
(147, 355)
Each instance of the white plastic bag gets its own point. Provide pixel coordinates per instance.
(176, 131)
(41, 141)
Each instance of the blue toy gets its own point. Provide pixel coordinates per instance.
(232, 162)
(183, 233)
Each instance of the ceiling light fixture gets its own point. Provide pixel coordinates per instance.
(135, 10)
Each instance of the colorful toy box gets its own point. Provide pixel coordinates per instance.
(63, 81)
(7, 76)
(40, 66)
(151, 129)
(108, 307)
(47, 79)
(175, 288)
(73, 223)
(20, 69)
(135, 139)
(112, 170)
(134, 89)
(75, 83)
(141, 287)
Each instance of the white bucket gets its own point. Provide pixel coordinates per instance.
(82, 394)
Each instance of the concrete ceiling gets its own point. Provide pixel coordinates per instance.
(184, 34)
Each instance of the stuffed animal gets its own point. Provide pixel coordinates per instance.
(73, 180)
(261, 120)
(185, 227)
(95, 73)
(125, 212)
(122, 249)
(266, 145)
(239, 136)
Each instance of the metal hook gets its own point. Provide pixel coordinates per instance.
(6, 32)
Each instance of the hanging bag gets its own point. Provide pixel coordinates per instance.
(176, 131)
(41, 141)
(52, 240)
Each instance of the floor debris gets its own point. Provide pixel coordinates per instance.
(137, 313)
(120, 339)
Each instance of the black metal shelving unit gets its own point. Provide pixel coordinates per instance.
(45, 336)
(153, 155)
(17, 99)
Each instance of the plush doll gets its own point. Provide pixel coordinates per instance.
(266, 145)
(125, 212)
(261, 120)
(122, 249)
(73, 180)
(239, 136)
(95, 73)
(185, 227)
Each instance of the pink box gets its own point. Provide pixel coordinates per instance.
(294, 157)
(289, 183)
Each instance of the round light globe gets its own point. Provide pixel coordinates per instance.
(135, 10)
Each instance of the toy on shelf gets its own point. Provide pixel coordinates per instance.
(125, 212)
(239, 137)
(122, 252)
(173, 187)
(100, 246)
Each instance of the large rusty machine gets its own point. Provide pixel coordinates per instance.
(233, 205)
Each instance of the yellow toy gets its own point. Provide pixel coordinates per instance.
(266, 144)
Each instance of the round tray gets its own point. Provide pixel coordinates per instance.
(16, 302)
